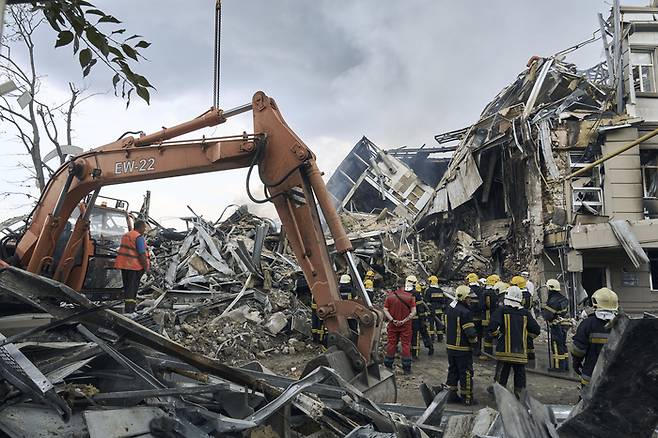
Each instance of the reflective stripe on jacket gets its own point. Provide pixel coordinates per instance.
(127, 256)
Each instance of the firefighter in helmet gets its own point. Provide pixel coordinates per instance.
(592, 333)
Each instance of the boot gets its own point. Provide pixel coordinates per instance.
(453, 397)
(388, 362)
(470, 401)
(406, 365)
(430, 350)
(439, 338)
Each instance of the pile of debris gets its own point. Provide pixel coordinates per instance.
(226, 289)
(93, 372)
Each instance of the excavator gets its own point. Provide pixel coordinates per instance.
(292, 182)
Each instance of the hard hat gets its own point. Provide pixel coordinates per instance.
(525, 274)
(433, 280)
(492, 279)
(553, 285)
(519, 281)
(345, 279)
(368, 285)
(514, 297)
(605, 299)
(501, 287)
(462, 292)
(370, 274)
(472, 278)
(410, 283)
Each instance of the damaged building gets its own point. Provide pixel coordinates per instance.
(540, 185)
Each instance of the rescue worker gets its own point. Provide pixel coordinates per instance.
(347, 293)
(510, 326)
(488, 305)
(370, 288)
(345, 287)
(318, 329)
(399, 310)
(369, 277)
(521, 283)
(592, 333)
(555, 313)
(419, 325)
(435, 300)
(461, 345)
(133, 260)
(476, 291)
(501, 288)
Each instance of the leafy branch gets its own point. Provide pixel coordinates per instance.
(100, 40)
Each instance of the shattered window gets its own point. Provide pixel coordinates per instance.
(649, 161)
(643, 71)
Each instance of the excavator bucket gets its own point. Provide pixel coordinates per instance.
(375, 381)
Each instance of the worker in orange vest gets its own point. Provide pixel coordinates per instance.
(133, 260)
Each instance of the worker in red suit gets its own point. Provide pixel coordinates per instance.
(399, 310)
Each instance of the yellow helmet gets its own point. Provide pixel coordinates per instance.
(492, 279)
(410, 283)
(519, 281)
(472, 278)
(462, 292)
(501, 287)
(368, 284)
(605, 299)
(433, 280)
(370, 274)
(553, 285)
(345, 279)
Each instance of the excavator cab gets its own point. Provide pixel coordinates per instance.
(109, 220)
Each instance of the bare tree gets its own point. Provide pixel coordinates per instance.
(36, 124)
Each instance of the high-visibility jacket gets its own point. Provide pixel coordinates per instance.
(127, 256)
(460, 330)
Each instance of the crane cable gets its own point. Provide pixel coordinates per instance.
(218, 39)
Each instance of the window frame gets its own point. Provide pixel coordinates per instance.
(652, 53)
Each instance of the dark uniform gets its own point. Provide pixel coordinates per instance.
(347, 293)
(488, 304)
(436, 301)
(554, 312)
(318, 330)
(476, 310)
(527, 304)
(511, 328)
(591, 336)
(419, 326)
(461, 343)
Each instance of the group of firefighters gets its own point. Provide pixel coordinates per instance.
(486, 318)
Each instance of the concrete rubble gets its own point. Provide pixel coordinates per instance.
(93, 372)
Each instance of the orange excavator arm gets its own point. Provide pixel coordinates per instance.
(287, 168)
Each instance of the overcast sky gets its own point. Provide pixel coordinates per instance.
(397, 72)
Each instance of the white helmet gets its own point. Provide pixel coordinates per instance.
(514, 297)
(345, 279)
(410, 283)
(553, 285)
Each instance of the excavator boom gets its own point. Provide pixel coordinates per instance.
(293, 183)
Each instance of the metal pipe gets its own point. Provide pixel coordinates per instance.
(351, 263)
(604, 158)
(91, 203)
(238, 110)
(64, 192)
